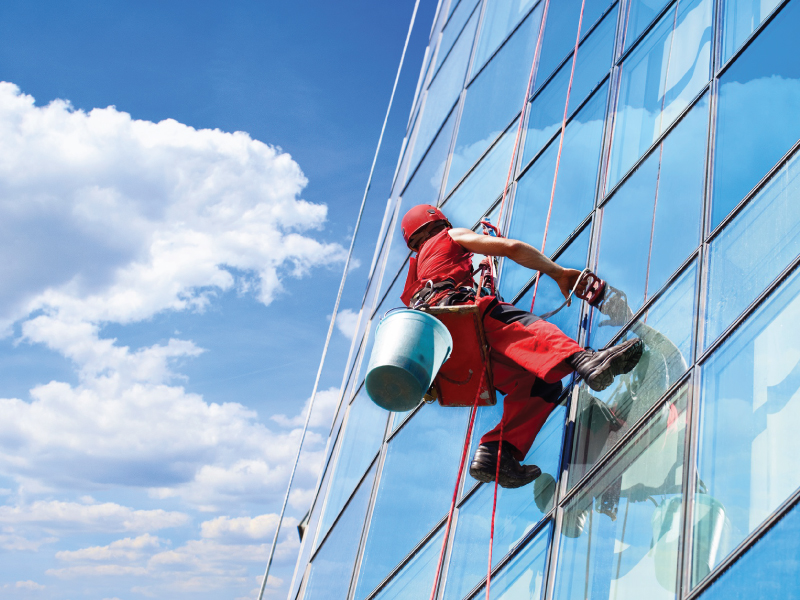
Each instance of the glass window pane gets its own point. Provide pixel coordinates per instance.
(500, 17)
(416, 488)
(444, 90)
(310, 535)
(749, 410)
(518, 511)
(562, 28)
(363, 434)
(753, 249)
(767, 570)
(652, 222)
(577, 180)
(741, 19)
(659, 78)
(620, 537)
(494, 98)
(523, 577)
(604, 417)
(757, 116)
(483, 185)
(548, 294)
(415, 580)
(453, 28)
(547, 108)
(332, 567)
(641, 14)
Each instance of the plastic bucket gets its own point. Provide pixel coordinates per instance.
(410, 347)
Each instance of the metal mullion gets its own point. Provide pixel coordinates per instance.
(321, 542)
(739, 551)
(450, 16)
(752, 307)
(502, 44)
(367, 522)
(612, 453)
(689, 486)
(753, 35)
(449, 544)
(656, 143)
(755, 191)
(437, 14)
(513, 553)
(553, 549)
(407, 558)
(652, 25)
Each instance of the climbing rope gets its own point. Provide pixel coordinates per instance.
(560, 142)
(336, 305)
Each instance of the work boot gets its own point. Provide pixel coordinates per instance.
(512, 473)
(598, 369)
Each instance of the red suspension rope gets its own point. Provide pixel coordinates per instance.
(560, 141)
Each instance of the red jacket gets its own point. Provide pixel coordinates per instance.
(439, 258)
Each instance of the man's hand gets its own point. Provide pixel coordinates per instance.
(566, 280)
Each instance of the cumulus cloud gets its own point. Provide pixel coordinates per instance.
(325, 405)
(114, 219)
(346, 322)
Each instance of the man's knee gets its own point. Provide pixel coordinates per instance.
(549, 392)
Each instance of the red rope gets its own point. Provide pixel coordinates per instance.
(560, 142)
(494, 512)
(467, 440)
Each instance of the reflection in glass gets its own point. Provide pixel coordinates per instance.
(518, 511)
(453, 28)
(363, 434)
(652, 222)
(640, 14)
(768, 569)
(757, 116)
(444, 91)
(749, 410)
(659, 79)
(547, 108)
(753, 249)
(483, 185)
(494, 97)
(415, 580)
(561, 30)
(501, 16)
(577, 180)
(523, 576)
(332, 567)
(548, 294)
(620, 536)
(741, 19)
(416, 488)
(667, 331)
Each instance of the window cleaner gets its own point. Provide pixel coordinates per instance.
(526, 357)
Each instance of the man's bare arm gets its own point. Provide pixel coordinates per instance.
(521, 253)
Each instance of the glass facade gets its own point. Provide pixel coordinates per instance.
(664, 154)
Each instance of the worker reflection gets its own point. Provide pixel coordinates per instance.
(529, 355)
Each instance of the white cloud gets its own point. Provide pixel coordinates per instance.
(325, 404)
(123, 218)
(346, 322)
(129, 549)
(107, 516)
(28, 585)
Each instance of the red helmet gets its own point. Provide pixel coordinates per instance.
(419, 216)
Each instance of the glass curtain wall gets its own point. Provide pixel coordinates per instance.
(664, 154)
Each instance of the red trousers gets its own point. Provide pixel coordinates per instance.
(528, 357)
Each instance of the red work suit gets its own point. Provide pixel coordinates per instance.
(527, 352)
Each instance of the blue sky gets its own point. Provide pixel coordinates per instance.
(169, 283)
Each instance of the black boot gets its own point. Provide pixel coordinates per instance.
(512, 473)
(598, 369)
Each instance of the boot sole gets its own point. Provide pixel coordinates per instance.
(617, 363)
(503, 480)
